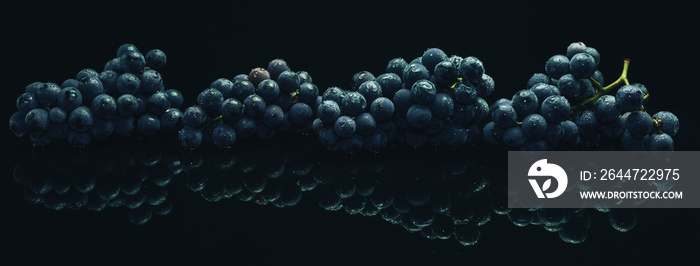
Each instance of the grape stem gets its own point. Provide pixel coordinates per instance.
(600, 90)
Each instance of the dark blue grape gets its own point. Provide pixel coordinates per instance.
(485, 86)
(555, 109)
(403, 99)
(464, 93)
(86, 73)
(190, 137)
(109, 81)
(308, 93)
(300, 114)
(582, 65)
(382, 109)
(471, 69)
(481, 109)
(344, 126)
(443, 106)
(419, 116)
(223, 136)
(156, 59)
(288, 81)
(390, 84)
(544, 90)
(432, 57)
(396, 66)
(231, 109)
(370, 90)
(224, 85)
(127, 105)
(128, 83)
(538, 78)
(148, 125)
(353, 103)
(669, 122)
(414, 72)
(639, 124)
(57, 115)
(36, 120)
(569, 86)
(614, 128)
(524, 102)
(575, 48)
(151, 81)
(555, 133)
(571, 136)
(365, 124)
(328, 112)
(171, 120)
(359, 78)
(273, 116)
(327, 136)
(26, 102)
(134, 62)
(242, 89)
(595, 54)
(660, 142)
(90, 87)
(352, 144)
(423, 92)
(194, 116)
(276, 66)
(588, 125)
(464, 114)
(158, 103)
(504, 116)
(174, 97)
(334, 94)
(557, 66)
(48, 93)
(268, 90)
(80, 119)
(104, 106)
(606, 109)
(534, 126)
(254, 106)
(514, 137)
(629, 98)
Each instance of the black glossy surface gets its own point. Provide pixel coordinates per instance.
(205, 41)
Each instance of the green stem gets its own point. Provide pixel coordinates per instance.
(605, 90)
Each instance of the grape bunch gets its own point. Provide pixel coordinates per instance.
(258, 104)
(127, 98)
(568, 108)
(433, 100)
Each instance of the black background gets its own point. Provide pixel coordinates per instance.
(332, 41)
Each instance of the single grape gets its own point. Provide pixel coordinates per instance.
(26, 102)
(538, 78)
(403, 99)
(104, 106)
(588, 124)
(382, 109)
(128, 83)
(102, 129)
(443, 106)
(504, 116)
(194, 116)
(464, 93)
(660, 142)
(534, 126)
(419, 116)
(151, 81)
(245, 127)
(242, 89)
(524, 102)
(669, 122)
(328, 112)
(148, 125)
(134, 62)
(365, 124)
(543, 90)
(639, 124)
(288, 81)
(414, 72)
(390, 83)
(156, 59)
(569, 86)
(48, 93)
(606, 109)
(454, 135)
(557, 66)
(127, 105)
(80, 119)
(223, 136)
(471, 69)
(276, 67)
(629, 98)
(171, 120)
(345, 126)
(231, 110)
(109, 81)
(57, 115)
(308, 93)
(396, 66)
(432, 57)
(90, 87)
(254, 106)
(370, 90)
(257, 75)
(268, 90)
(300, 114)
(423, 92)
(36, 120)
(353, 103)
(334, 94)
(174, 97)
